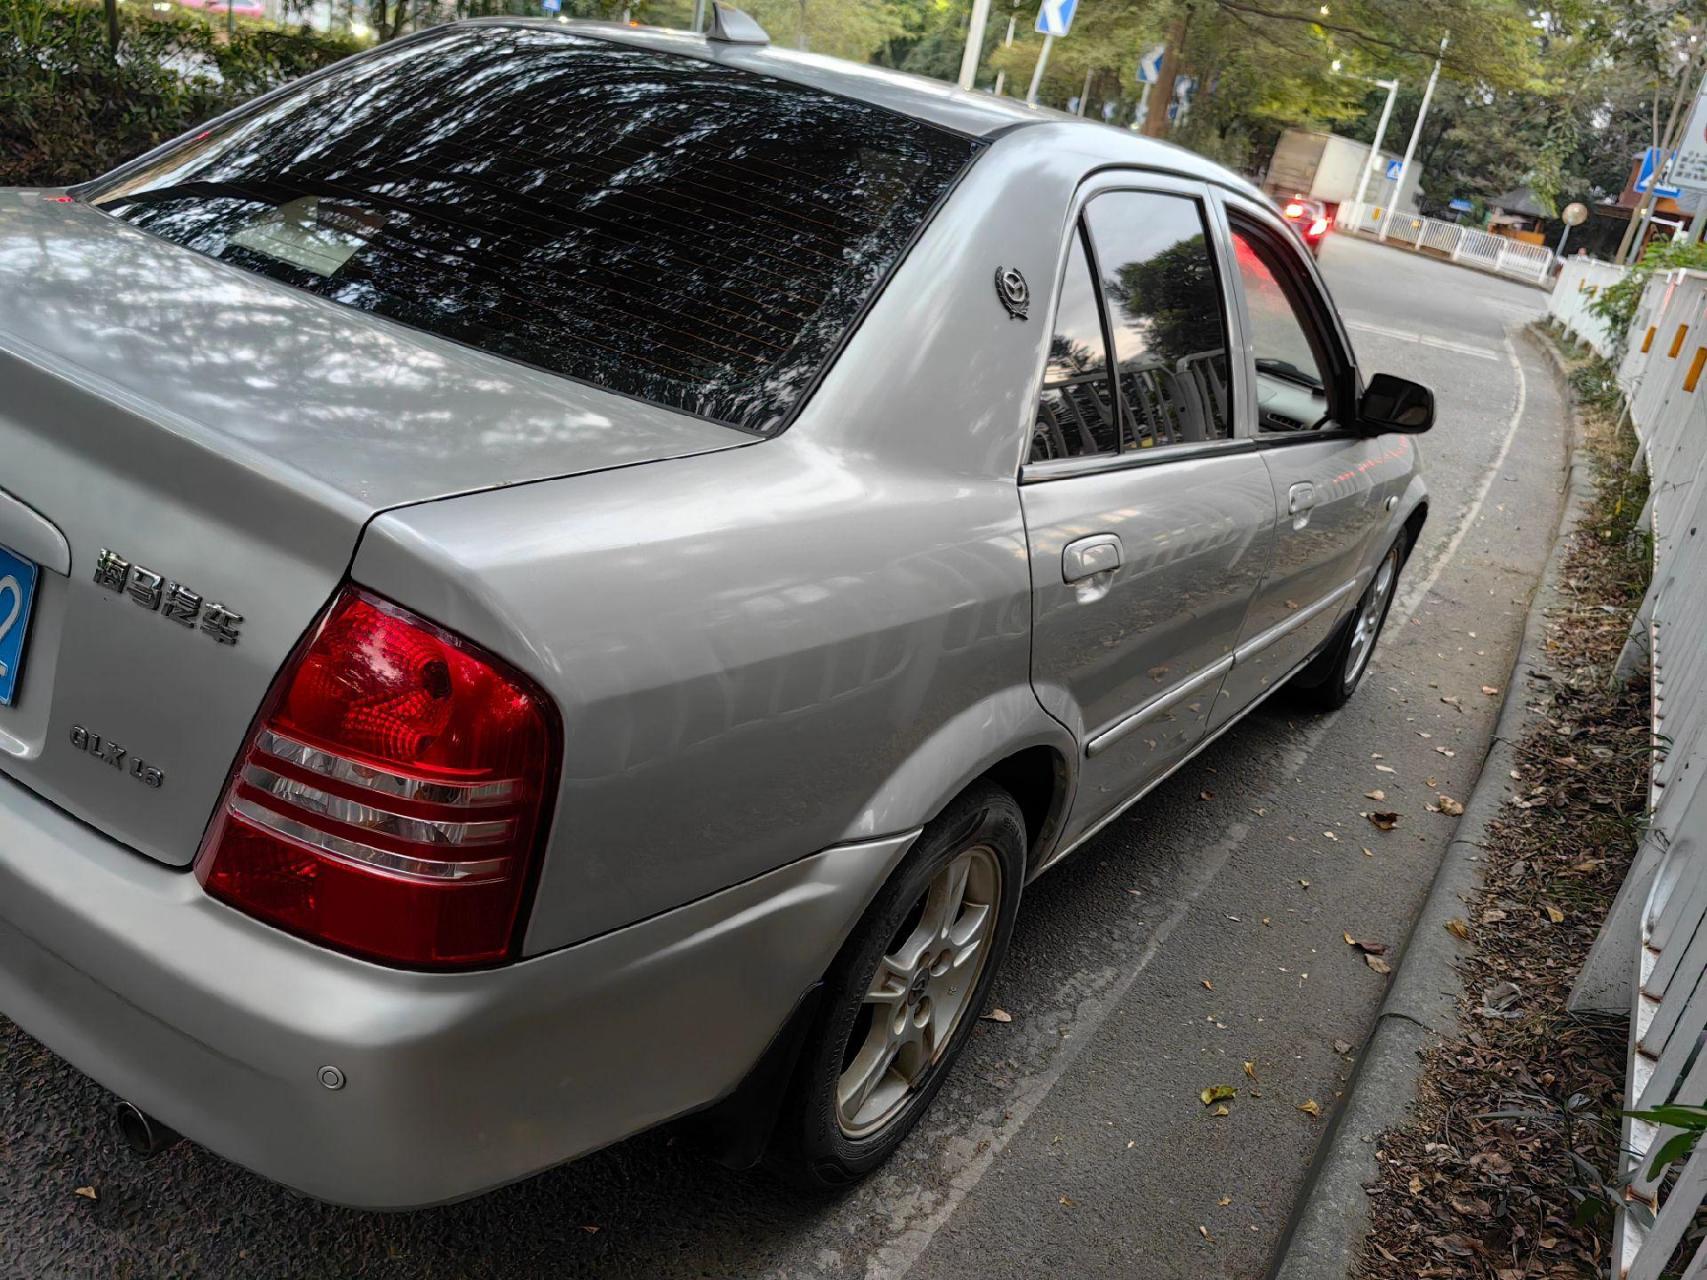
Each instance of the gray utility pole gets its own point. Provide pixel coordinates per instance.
(1008, 43)
(698, 16)
(1037, 72)
(1416, 133)
(1085, 93)
(974, 43)
(1392, 88)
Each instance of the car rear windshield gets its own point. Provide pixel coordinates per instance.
(657, 225)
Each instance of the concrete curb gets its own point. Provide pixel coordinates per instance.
(1331, 1218)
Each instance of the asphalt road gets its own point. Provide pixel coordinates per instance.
(1202, 932)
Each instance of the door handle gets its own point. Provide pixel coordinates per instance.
(1300, 497)
(1086, 557)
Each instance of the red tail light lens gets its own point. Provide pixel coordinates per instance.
(392, 797)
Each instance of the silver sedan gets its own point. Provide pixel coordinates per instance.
(556, 578)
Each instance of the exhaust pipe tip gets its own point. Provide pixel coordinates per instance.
(141, 1132)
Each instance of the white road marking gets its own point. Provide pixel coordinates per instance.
(1408, 603)
(896, 1257)
(1427, 340)
(915, 1230)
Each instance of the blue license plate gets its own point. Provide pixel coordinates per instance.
(17, 593)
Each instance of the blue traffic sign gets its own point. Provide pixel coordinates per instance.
(1150, 65)
(552, 6)
(1393, 168)
(1654, 159)
(1460, 204)
(1055, 17)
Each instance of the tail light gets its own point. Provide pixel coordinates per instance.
(393, 795)
(1294, 210)
(1319, 227)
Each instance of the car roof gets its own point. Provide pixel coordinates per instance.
(937, 102)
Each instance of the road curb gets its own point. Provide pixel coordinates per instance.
(1331, 1217)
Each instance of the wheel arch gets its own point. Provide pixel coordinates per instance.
(1007, 738)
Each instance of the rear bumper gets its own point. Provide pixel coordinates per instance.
(455, 1083)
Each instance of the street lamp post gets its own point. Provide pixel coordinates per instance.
(974, 43)
(1416, 133)
(1392, 88)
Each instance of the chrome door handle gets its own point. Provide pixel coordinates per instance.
(1087, 557)
(1300, 497)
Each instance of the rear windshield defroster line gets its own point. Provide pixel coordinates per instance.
(686, 233)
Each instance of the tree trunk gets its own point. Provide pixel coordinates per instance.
(1162, 96)
(113, 26)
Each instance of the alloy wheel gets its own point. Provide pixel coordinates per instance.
(920, 993)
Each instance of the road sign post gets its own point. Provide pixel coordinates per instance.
(1054, 18)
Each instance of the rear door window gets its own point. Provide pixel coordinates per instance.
(1075, 412)
(660, 226)
(1166, 315)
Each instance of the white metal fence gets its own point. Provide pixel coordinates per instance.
(1580, 282)
(1474, 248)
(1651, 956)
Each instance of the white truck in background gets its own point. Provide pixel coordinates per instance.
(1327, 167)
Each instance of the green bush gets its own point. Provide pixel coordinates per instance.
(70, 109)
(1616, 303)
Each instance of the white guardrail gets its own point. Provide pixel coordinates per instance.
(1532, 262)
(1651, 956)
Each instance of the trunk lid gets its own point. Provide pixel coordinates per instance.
(232, 436)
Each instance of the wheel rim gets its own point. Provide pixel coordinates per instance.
(1370, 615)
(920, 993)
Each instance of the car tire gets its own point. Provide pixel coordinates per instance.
(900, 987)
(1328, 683)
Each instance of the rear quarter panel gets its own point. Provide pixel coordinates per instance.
(804, 641)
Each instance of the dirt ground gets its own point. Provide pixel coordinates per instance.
(1503, 1173)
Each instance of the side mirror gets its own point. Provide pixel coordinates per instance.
(1396, 404)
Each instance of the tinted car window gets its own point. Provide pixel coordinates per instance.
(657, 225)
(1075, 413)
(1291, 391)
(1165, 311)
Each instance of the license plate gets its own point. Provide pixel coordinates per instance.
(17, 593)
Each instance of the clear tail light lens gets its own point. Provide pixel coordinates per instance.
(393, 795)
(1319, 227)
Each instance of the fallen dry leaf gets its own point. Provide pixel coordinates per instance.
(1490, 689)
(1376, 794)
(1342, 1046)
(1205, 795)
(1377, 963)
(1204, 1232)
(1311, 1108)
(1251, 1070)
(1349, 940)
(1385, 768)
(1066, 1200)
(1217, 1093)
(88, 1193)
(998, 1015)
(1383, 821)
(1458, 929)
(1207, 984)
(1224, 1201)
(1304, 883)
(1553, 913)
(1221, 1111)
(1368, 852)
(1450, 806)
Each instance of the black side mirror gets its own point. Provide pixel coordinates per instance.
(1396, 404)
